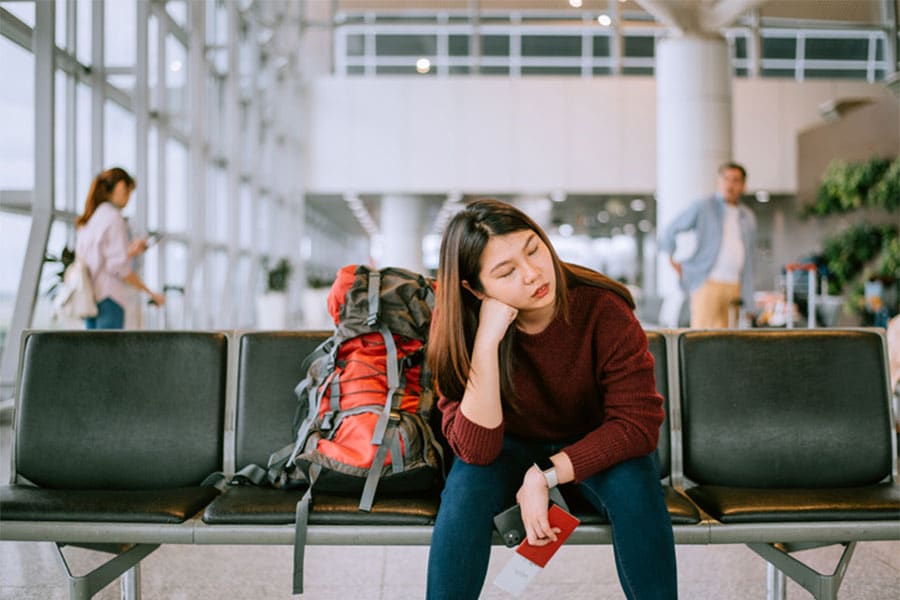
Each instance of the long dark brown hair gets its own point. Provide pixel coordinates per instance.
(101, 189)
(455, 318)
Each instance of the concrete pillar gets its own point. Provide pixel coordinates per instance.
(401, 225)
(693, 137)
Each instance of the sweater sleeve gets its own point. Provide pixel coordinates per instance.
(632, 407)
(471, 442)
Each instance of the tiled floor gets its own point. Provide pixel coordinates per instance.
(31, 571)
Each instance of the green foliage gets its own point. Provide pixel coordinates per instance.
(886, 193)
(278, 275)
(847, 254)
(850, 186)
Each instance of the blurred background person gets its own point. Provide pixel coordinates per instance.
(720, 272)
(103, 243)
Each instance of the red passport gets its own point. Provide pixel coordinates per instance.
(541, 555)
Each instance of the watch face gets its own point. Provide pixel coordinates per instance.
(544, 464)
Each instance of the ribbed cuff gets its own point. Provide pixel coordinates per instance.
(474, 443)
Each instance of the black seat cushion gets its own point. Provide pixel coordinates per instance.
(22, 503)
(750, 505)
(266, 506)
(788, 409)
(121, 410)
(269, 370)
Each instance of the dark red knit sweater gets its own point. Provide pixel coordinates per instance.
(589, 380)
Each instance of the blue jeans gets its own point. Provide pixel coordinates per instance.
(629, 494)
(110, 315)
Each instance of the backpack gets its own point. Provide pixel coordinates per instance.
(75, 299)
(364, 405)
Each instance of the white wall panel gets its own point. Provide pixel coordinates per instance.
(533, 135)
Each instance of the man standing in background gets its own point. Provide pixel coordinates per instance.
(720, 272)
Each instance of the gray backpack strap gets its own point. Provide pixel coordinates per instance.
(250, 474)
(308, 422)
(397, 465)
(393, 381)
(368, 494)
(374, 297)
(301, 526)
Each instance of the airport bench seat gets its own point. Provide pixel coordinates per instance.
(777, 440)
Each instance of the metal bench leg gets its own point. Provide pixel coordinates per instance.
(83, 587)
(775, 583)
(822, 587)
(130, 585)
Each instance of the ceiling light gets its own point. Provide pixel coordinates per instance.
(575, 3)
(558, 196)
(603, 216)
(566, 230)
(638, 205)
(175, 66)
(423, 65)
(604, 20)
(645, 225)
(762, 196)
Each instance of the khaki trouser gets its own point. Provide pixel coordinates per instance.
(711, 303)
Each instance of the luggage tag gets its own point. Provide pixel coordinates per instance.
(528, 560)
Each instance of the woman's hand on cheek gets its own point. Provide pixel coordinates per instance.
(495, 318)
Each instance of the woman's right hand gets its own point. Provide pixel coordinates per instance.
(494, 319)
(157, 299)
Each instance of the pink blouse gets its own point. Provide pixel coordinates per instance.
(103, 244)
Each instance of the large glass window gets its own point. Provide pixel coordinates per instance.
(405, 45)
(82, 158)
(176, 187)
(551, 45)
(24, 11)
(246, 222)
(217, 205)
(13, 243)
(119, 33)
(119, 137)
(83, 27)
(16, 117)
(61, 195)
(176, 83)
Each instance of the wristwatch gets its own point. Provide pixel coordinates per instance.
(546, 467)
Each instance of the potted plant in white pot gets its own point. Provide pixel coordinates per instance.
(271, 307)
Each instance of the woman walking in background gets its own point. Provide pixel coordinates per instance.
(544, 378)
(102, 242)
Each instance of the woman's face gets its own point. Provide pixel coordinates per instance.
(517, 269)
(120, 194)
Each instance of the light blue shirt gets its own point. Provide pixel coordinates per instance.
(705, 217)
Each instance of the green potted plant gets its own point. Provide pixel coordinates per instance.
(864, 252)
(278, 276)
(271, 306)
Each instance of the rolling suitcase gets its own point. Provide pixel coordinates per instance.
(811, 271)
